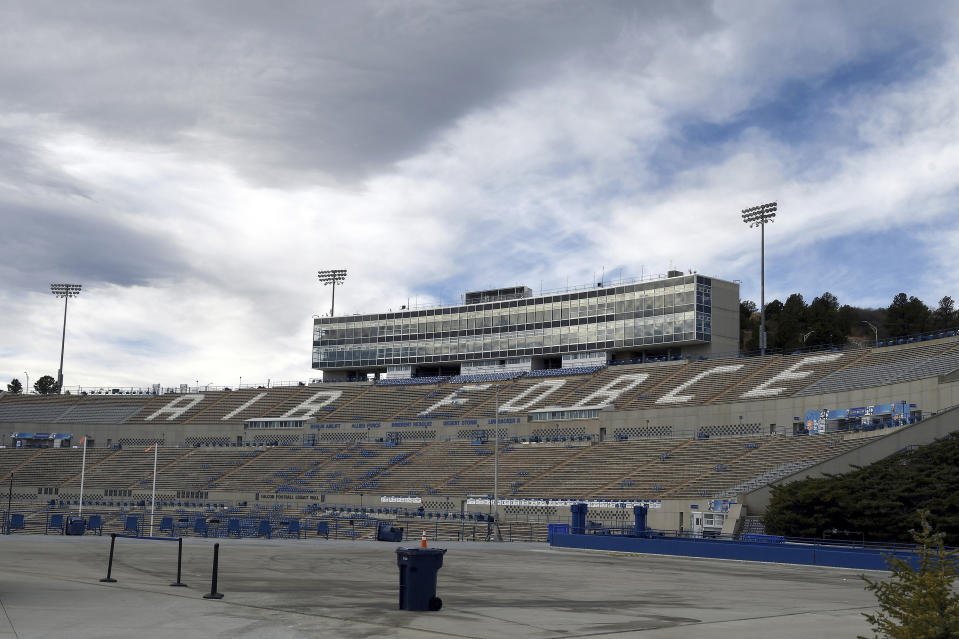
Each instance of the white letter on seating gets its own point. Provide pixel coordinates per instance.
(788, 375)
(548, 387)
(611, 394)
(174, 410)
(672, 398)
(453, 398)
(242, 408)
(310, 407)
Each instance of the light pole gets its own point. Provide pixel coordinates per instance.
(874, 330)
(758, 216)
(334, 277)
(66, 291)
(496, 460)
(805, 337)
(27, 389)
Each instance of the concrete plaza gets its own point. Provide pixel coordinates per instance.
(50, 588)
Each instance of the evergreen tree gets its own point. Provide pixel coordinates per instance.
(826, 321)
(792, 323)
(46, 385)
(881, 500)
(896, 315)
(748, 327)
(919, 602)
(918, 315)
(945, 315)
(15, 387)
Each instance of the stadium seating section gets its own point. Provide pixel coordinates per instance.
(565, 464)
(635, 386)
(640, 469)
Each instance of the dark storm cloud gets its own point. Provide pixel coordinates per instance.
(48, 246)
(293, 91)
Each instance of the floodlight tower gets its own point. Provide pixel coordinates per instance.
(334, 277)
(66, 291)
(759, 216)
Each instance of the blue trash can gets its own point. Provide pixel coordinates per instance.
(76, 525)
(418, 568)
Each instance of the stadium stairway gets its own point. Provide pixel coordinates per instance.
(517, 463)
(443, 483)
(541, 477)
(391, 402)
(412, 475)
(670, 371)
(242, 466)
(293, 399)
(205, 409)
(703, 477)
(645, 464)
(170, 464)
(757, 373)
(340, 409)
(117, 470)
(51, 469)
(590, 384)
(12, 468)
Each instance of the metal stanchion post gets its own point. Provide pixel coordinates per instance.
(213, 594)
(179, 563)
(108, 578)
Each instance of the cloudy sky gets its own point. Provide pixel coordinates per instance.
(193, 164)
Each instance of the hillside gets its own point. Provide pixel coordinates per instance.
(879, 502)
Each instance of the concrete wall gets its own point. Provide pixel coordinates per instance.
(725, 318)
(802, 554)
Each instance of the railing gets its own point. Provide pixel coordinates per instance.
(630, 531)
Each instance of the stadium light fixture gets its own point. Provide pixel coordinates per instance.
(66, 291)
(334, 277)
(759, 216)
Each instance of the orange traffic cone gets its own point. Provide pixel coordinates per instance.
(423, 540)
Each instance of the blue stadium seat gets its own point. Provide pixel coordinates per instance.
(56, 523)
(132, 525)
(323, 528)
(16, 522)
(95, 523)
(264, 529)
(293, 528)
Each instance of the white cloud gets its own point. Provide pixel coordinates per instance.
(200, 264)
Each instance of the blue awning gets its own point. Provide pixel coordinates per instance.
(22, 435)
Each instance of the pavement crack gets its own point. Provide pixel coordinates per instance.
(9, 620)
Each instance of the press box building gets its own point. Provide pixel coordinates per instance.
(511, 330)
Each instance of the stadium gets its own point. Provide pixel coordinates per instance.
(695, 440)
(697, 436)
(451, 442)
